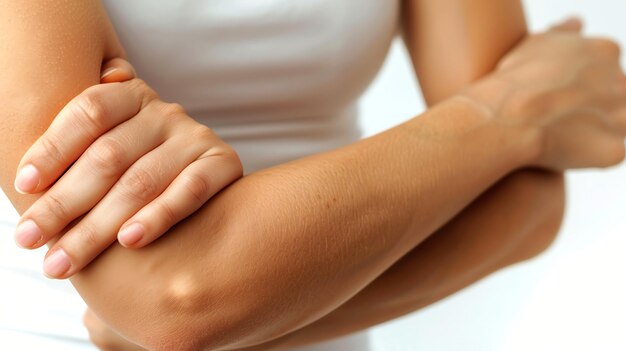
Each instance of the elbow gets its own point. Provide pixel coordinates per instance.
(229, 294)
(224, 316)
(170, 338)
(162, 314)
(177, 328)
(187, 319)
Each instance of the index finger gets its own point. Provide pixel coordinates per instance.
(78, 125)
(573, 24)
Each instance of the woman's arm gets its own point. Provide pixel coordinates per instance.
(51, 51)
(514, 220)
(144, 140)
(511, 217)
(455, 42)
(489, 235)
(452, 43)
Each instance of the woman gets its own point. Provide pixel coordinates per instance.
(315, 248)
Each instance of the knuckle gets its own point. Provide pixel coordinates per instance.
(227, 157)
(164, 209)
(107, 157)
(174, 109)
(88, 235)
(198, 186)
(140, 87)
(139, 185)
(91, 111)
(233, 161)
(51, 150)
(138, 84)
(55, 208)
(170, 114)
(202, 132)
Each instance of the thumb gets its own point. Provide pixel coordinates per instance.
(573, 24)
(116, 70)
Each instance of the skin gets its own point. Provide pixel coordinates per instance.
(452, 258)
(137, 171)
(523, 232)
(135, 176)
(299, 276)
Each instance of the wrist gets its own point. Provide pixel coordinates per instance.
(504, 108)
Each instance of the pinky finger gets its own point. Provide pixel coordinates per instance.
(194, 186)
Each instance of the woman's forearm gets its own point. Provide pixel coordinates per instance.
(515, 220)
(285, 246)
(470, 50)
(467, 50)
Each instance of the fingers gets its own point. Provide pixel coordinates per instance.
(77, 126)
(202, 179)
(86, 182)
(139, 185)
(117, 70)
(573, 24)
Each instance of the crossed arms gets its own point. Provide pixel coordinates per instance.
(268, 256)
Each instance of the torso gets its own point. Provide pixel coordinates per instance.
(277, 79)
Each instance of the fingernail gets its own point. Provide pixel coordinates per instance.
(107, 72)
(27, 234)
(131, 234)
(57, 264)
(27, 179)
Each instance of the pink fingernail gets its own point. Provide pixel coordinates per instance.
(27, 179)
(131, 234)
(57, 264)
(27, 234)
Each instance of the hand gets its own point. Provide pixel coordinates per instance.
(569, 91)
(104, 337)
(119, 162)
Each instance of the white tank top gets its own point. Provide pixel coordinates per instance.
(276, 79)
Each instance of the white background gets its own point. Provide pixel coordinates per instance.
(571, 298)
